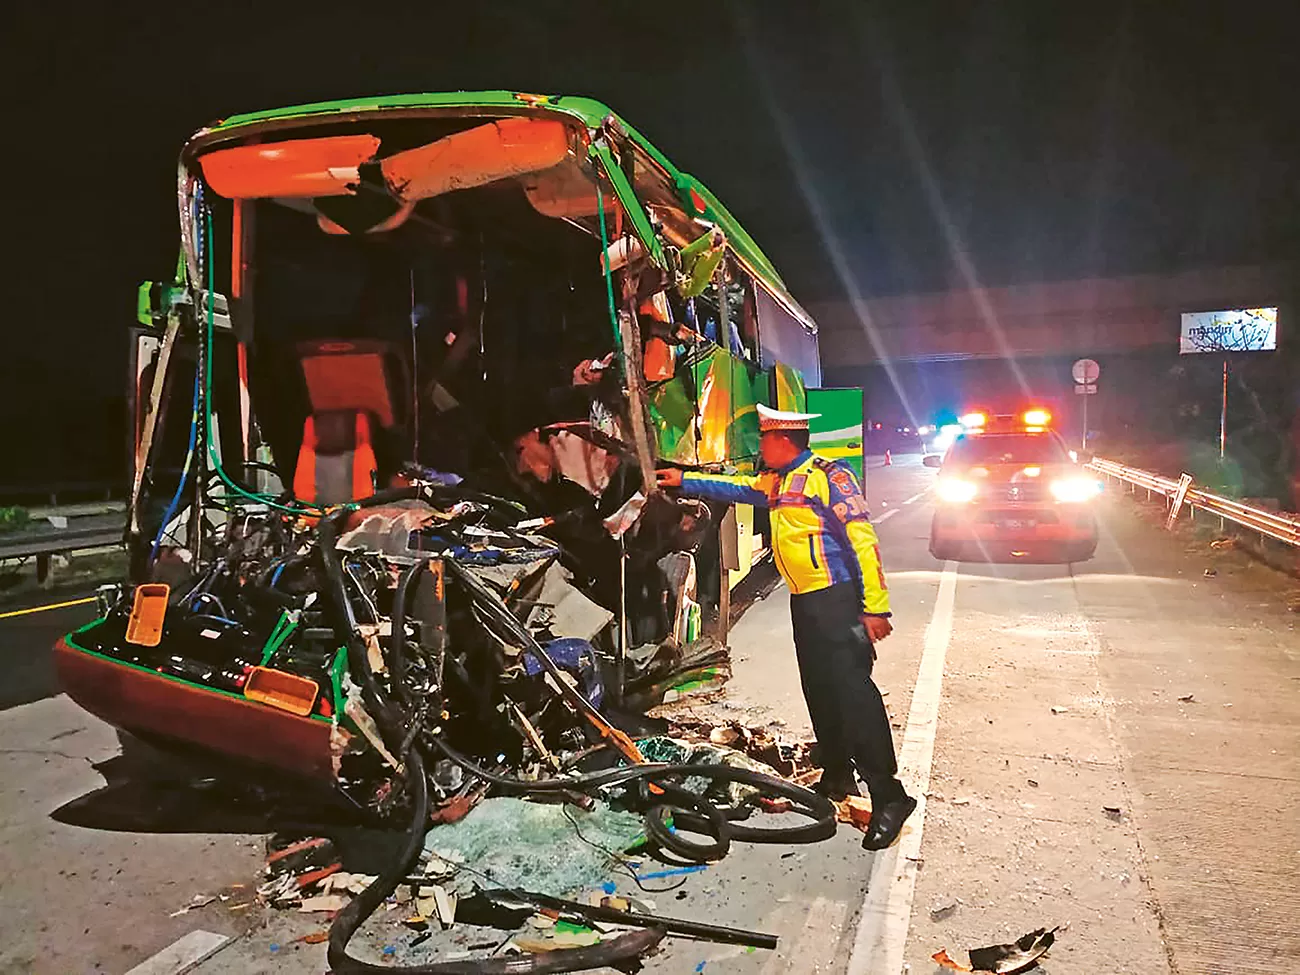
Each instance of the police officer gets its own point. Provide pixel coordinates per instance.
(827, 551)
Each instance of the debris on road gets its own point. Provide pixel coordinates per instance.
(1020, 956)
(1187, 698)
(330, 903)
(199, 900)
(1114, 812)
(855, 811)
(944, 909)
(1056, 709)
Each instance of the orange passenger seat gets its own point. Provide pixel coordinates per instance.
(336, 462)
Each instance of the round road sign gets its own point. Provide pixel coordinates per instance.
(1085, 371)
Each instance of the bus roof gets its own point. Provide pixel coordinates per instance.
(695, 196)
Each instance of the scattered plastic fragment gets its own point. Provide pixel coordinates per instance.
(1059, 710)
(1187, 698)
(675, 872)
(197, 901)
(327, 902)
(854, 810)
(1210, 573)
(1019, 956)
(1114, 812)
(943, 910)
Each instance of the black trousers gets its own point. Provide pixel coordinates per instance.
(848, 714)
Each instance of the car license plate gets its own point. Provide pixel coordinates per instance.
(1016, 524)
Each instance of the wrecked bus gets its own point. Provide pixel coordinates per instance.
(396, 424)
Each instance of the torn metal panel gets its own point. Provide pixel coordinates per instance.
(485, 154)
(564, 611)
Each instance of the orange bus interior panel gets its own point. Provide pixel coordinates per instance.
(299, 168)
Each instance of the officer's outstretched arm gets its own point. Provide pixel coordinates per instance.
(854, 520)
(734, 488)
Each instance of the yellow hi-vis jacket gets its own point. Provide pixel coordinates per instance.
(821, 528)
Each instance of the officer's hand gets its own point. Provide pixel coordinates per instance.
(668, 477)
(878, 627)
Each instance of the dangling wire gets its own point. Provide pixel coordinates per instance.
(415, 377)
(297, 507)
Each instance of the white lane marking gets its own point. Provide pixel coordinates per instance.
(887, 908)
(182, 955)
(893, 511)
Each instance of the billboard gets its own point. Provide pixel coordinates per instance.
(1238, 330)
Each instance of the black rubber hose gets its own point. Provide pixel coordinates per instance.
(385, 713)
(367, 902)
(397, 645)
(818, 808)
(656, 823)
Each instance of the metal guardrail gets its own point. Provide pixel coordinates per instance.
(49, 492)
(1272, 524)
(42, 541)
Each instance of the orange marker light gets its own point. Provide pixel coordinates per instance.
(974, 420)
(1037, 418)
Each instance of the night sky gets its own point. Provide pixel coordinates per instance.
(1039, 140)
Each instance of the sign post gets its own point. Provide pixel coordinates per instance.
(1235, 330)
(1086, 373)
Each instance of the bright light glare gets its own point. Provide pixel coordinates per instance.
(974, 420)
(922, 431)
(1037, 418)
(954, 490)
(1033, 471)
(943, 441)
(1075, 489)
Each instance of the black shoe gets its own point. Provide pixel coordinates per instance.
(887, 822)
(838, 787)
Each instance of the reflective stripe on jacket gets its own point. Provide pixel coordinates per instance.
(821, 528)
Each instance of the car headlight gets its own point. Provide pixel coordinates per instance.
(1075, 489)
(954, 490)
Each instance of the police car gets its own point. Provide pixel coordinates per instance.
(1010, 486)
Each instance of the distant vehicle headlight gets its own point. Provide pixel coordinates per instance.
(954, 490)
(942, 440)
(1075, 489)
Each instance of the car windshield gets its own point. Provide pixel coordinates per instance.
(1018, 448)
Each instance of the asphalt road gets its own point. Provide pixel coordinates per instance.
(1112, 746)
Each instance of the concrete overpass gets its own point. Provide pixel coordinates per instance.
(947, 350)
